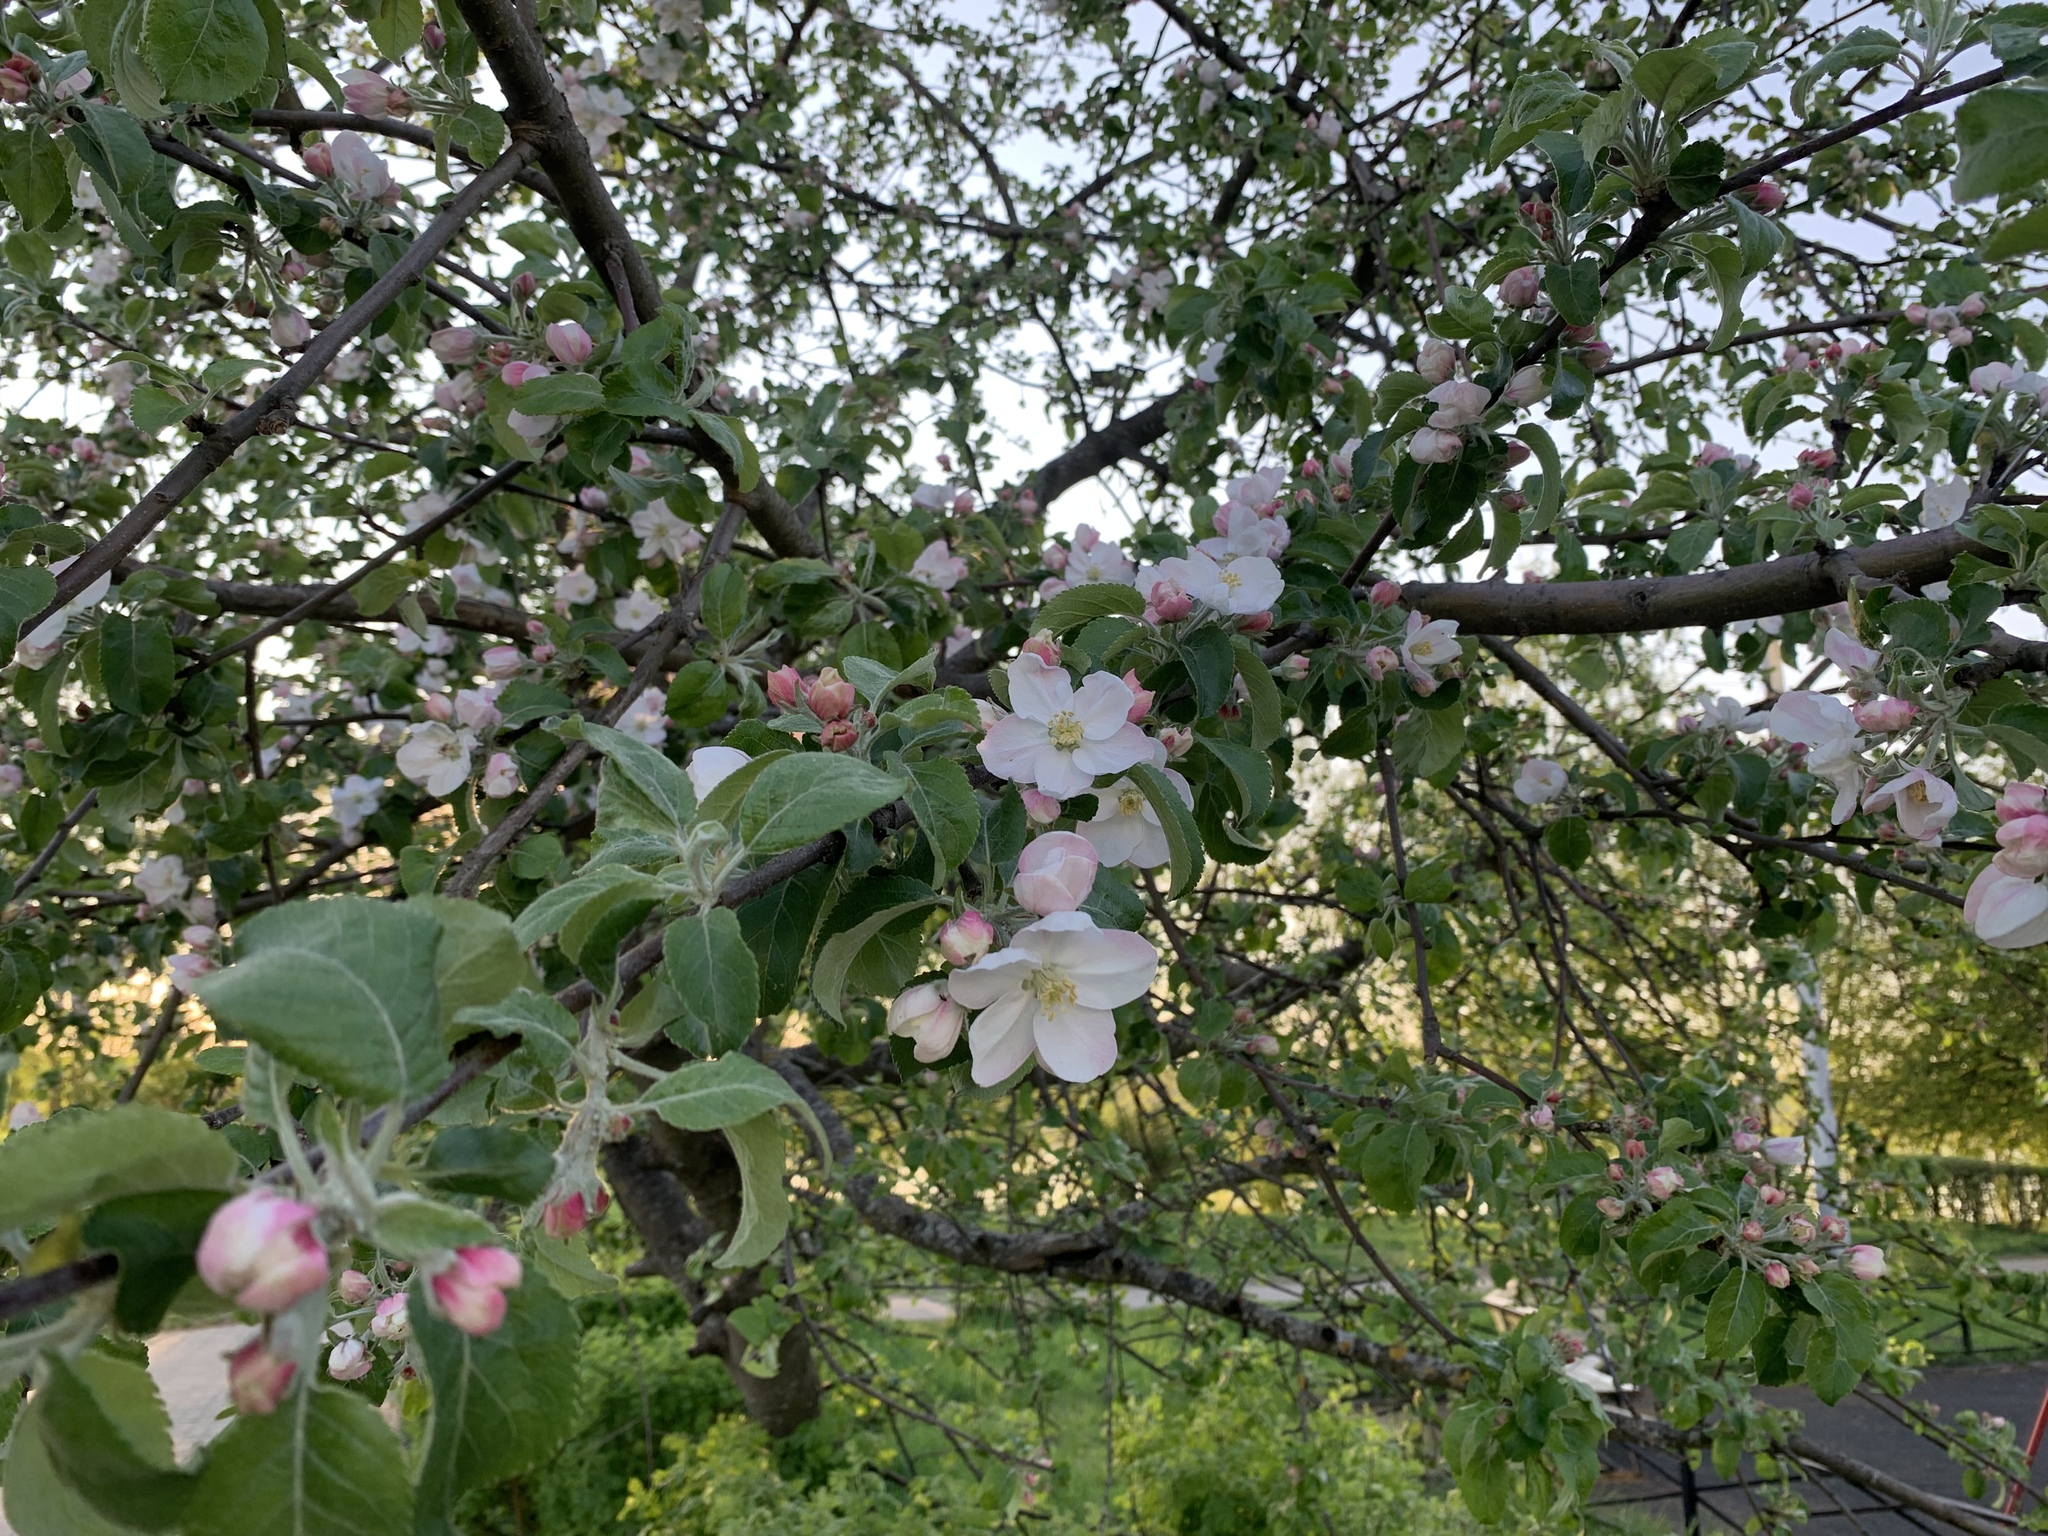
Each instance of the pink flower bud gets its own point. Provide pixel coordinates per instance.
(348, 1361)
(439, 707)
(1959, 336)
(1971, 307)
(1916, 313)
(1169, 603)
(1292, 669)
(1786, 1151)
(2023, 847)
(289, 328)
(1378, 662)
(1610, 1207)
(1800, 1228)
(13, 88)
(1055, 873)
(963, 502)
(1819, 460)
(1436, 361)
(1745, 1141)
(1882, 716)
(1663, 1182)
(319, 159)
(517, 373)
(257, 1379)
(1634, 1150)
(1043, 646)
(1053, 557)
(1256, 623)
(1521, 288)
(259, 1251)
(501, 777)
(1042, 809)
(570, 1214)
(1178, 740)
(785, 687)
(432, 35)
(502, 662)
(1776, 1275)
(524, 286)
(392, 1319)
(367, 94)
(1141, 698)
(1751, 1231)
(1834, 1229)
(1767, 197)
(1385, 594)
(570, 343)
(354, 1287)
(966, 938)
(470, 1292)
(832, 696)
(1771, 1196)
(1541, 1118)
(1799, 497)
(1312, 468)
(456, 345)
(1263, 1045)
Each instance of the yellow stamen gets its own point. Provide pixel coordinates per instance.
(1130, 802)
(1052, 989)
(1064, 730)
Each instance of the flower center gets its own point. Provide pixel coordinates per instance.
(1230, 578)
(1129, 802)
(1064, 730)
(1917, 792)
(1052, 989)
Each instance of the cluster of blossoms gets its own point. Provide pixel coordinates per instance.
(826, 706)
(1423, 645)
(265, 1252)
(1462, 404)
(1050, 991)
(1769, 1232)
(473, 356)
(1951, 324)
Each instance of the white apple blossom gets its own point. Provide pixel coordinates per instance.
(2007, 911)
(1540, 781)
(710, 767)
(637, 609)
(1847, 652)
(1212, 360)
(359, 170)
(1923, 803)
(1050, 994)
(924, 1015)
(938, 567)
(663, 535)
(1126, 829)
(1944, 505)
(933, 498)
(162, 880)
(1098, 560)
(435, 758)
(1241, 530)
(1060, 738)
(354, 801)
(1429, 643)
(38, 648)
(644, 719)
(576, 588)
(1242, 585)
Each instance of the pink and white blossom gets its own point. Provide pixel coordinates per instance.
(927, 1017)
(710, 767)
(1059, 737)
(1126, 828)
(1540, 781)
(1050, 995)
(435, 758)
(2006, 911)
(259, 1250)
(939, 567)
(1923, 803)
(1055, 873)
(470, 1292)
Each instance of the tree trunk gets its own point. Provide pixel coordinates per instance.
(680, 1189)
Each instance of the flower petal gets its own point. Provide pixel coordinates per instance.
(1039, 690)
(991, 978)
(1125, 747)
(1062, 774)
(1103, 703)
(1078, 1044)
(1011, 745)
(1001, 1038)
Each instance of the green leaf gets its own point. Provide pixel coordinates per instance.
(1575, 290)
(548, 1028)
(838, 953)
(324, 1464)
(764, 1199)
(477, 961)
(943, 803)
(156, 1236)
(416, 1228)
(1580, 1228)
(205, 50)
(1067, 611)
(559, 394)
(1735, 1314)
(342, 990)
(108, 1438)
(32, 170)
(1427, 741)
(2019, 237)
(1543, 99)
(714, 1095)
(1694, 177)
(499, 1402)
(1183, 837)
(1676, 80)
(1395, 1162)
(1551, 496)
(25, 591)
(738, 448)
(722, 601)
(2003, 135)
(1828, 1373)
(1569, 841)
(1266, 711)
(493, 1162)
(808, 794)
(84, 1158)
(1661, 1241)
(554, 909)
(1249, 769)
(664, 785)
(1721, 263)
(778, 928)
(715, 978)
(138, 668)
(395, 27)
